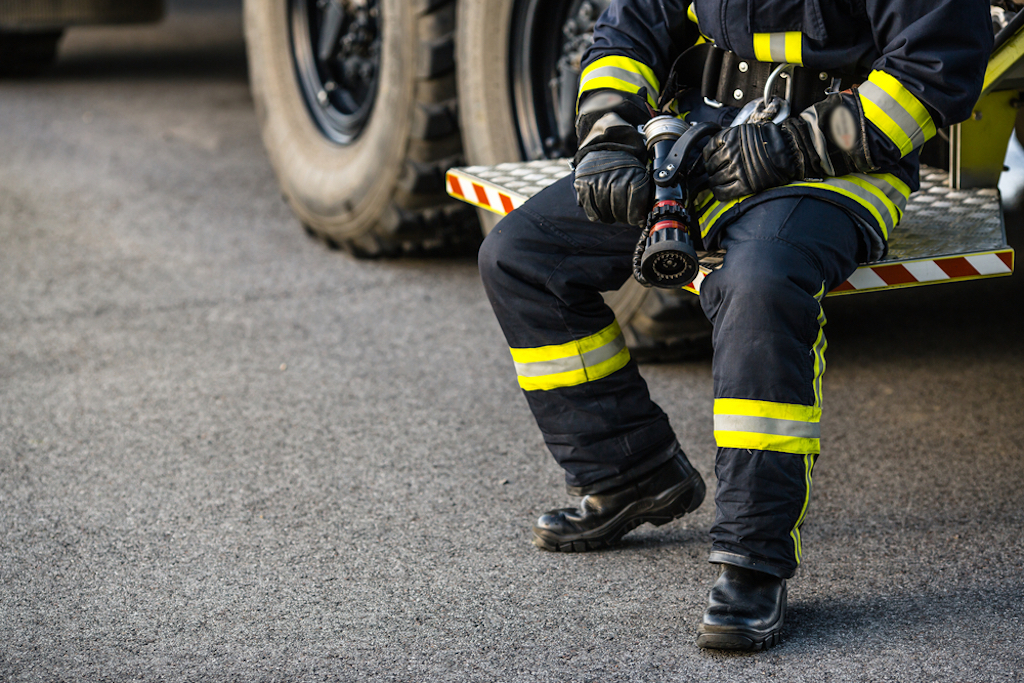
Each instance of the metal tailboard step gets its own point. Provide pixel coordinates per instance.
(946, 235)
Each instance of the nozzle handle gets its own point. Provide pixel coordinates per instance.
(667, 172)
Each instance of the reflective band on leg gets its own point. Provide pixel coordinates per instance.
(798, 549)
(768, 426)
(572, 363)
(896, 112)
(882, 194)
(818, 350)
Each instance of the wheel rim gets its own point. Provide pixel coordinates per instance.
(547, 44)
(336, 48)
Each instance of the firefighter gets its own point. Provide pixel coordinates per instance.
(796, 201)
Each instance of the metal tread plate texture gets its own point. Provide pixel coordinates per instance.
(946, 235)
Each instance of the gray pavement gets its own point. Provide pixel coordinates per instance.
(227, 453)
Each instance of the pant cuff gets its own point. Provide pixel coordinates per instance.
(722, 557)
(657, 460)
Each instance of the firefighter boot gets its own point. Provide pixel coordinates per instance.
(667, 493)
(745, 611)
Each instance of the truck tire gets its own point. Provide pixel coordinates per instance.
(509, 55)
(356, 104)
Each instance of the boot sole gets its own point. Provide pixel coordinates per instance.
(664, 508)
(739, 639)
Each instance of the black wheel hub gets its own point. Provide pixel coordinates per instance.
(336, 47)
(548, 40)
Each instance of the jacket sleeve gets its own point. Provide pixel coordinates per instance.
(635, 42)
(929, 74)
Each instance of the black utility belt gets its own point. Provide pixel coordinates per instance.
(726, 79)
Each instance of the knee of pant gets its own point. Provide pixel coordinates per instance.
(499, 249)
(756, 282)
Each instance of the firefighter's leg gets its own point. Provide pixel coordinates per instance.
(544, 268)
(782, 257)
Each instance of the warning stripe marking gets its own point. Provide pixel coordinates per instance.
(484, 195)
(867, 278)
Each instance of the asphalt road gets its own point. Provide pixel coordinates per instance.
(228, 453)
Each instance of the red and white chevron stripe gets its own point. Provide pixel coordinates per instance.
(891, 275)
(482, 194)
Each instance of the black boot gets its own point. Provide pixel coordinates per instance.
(745, 611)
(601, 519)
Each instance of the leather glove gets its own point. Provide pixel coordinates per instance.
(751, 158)
(614, 187)
(612, 182)
(826, 139)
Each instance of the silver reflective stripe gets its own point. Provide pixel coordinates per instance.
(865, 196)
(716, 212)
(777, 46)
(767, 425)
(894, 195)
(895, 110)
(570, 363)
(623, 75)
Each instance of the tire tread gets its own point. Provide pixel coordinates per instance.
(421, 218)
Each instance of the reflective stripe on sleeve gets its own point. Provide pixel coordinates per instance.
(576, 362)
(620, 73)
(768, 426)
(785, 47)
(896, 112)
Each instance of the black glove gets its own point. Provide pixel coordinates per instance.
(614, 187)
(612, 182)
(751, 158)
(824, 140)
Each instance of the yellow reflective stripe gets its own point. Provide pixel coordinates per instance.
(907, 100)
(763, 47)
(576, 377)
(767, 442)
(819, 347)
(568, 349)
(867, 190)
(769, 426)
(785, 47)
(770, 409)
(882, 194)
(691, 13)
(715, 211)
(575, 362)
(896, 112)
(794, 47)
(620, 73)
(798, 549)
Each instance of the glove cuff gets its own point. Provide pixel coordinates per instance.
(608, 119)
(839, 134)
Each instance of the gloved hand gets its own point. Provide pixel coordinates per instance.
(614, 187)
(824, 140)
(751, 158)
(612, 182)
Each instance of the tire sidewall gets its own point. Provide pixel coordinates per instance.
(489, 133)
(340, 189)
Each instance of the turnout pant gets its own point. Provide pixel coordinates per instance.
(544, 267)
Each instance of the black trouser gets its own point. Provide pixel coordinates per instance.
(544, 268)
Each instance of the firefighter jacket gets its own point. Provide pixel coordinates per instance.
(919, 64)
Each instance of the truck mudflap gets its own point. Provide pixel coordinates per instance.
(946, 235)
